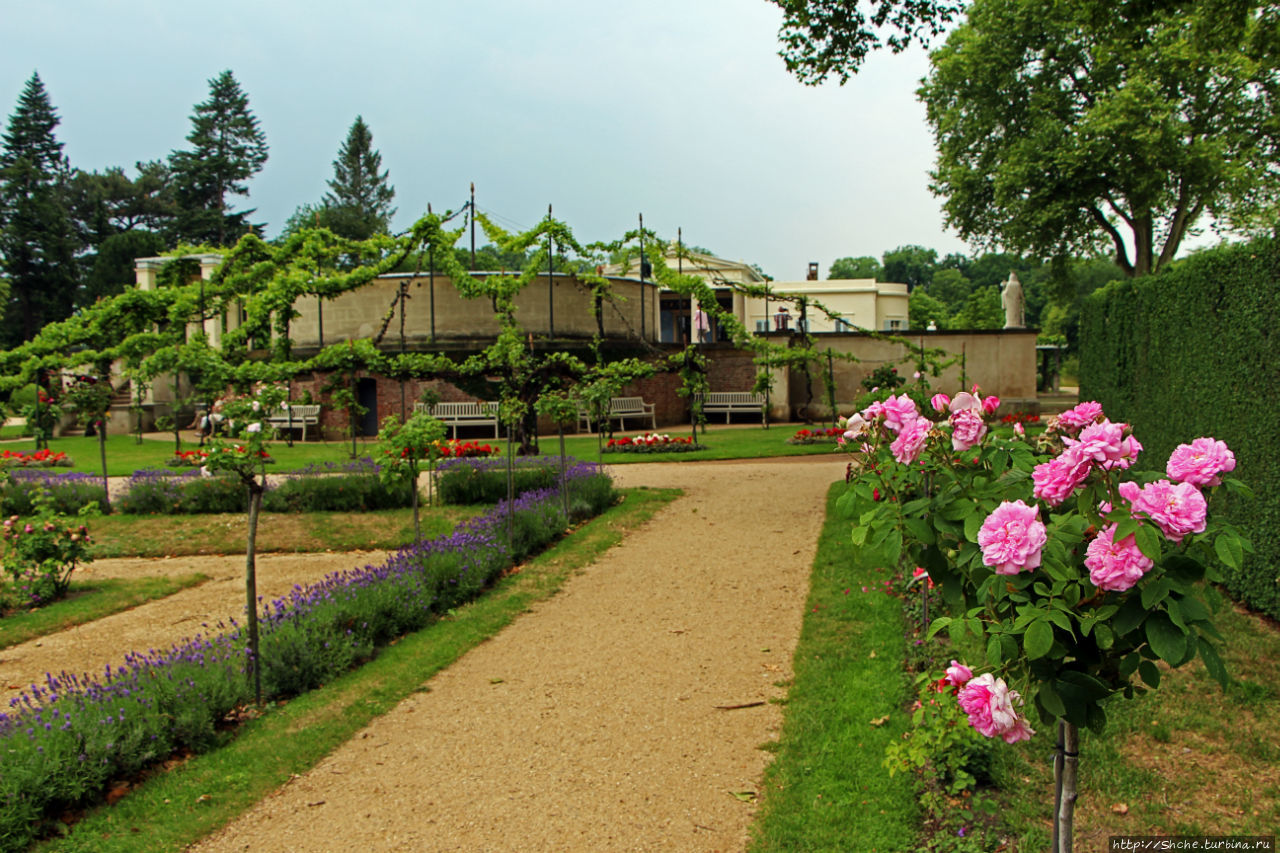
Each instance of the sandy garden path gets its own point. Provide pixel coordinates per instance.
(618, 715)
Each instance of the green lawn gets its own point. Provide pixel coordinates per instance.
(125, 455)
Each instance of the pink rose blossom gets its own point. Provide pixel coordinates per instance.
(1107, 444)
(910, 441)
(854, 427)
(1011, 538)
(1019, 428)
(1115, 566)
(958, 674)
(1177, 508)
(939, 402)
(967, 429)
(1058, 478)
(966, 401)
(899, 411)
(1082, 415)
(1200, 462)
(989, 702)
(990, 405)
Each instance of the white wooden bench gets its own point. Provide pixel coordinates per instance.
(621, 408)
(298, 416)
(728, 402)
(475, 413)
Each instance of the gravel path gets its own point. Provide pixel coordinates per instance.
(624, 713)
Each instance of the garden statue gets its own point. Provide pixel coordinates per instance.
(1012, 301)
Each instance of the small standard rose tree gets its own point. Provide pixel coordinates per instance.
(245, 454)
(405, 448)
(1077, 572)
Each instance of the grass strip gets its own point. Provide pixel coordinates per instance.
(828, 789)
(177, 807)
(87, 601)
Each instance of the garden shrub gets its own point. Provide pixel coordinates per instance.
(1192, 351)
(484, 481)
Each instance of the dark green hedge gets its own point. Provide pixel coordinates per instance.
(1192, 351)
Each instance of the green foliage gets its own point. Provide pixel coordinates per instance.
(227, 148)
(982, 310)
(863, 267)
(1081, 127)
(885, 378)
(1191, 352)
(910, 265)
(37, 240)
(821, 38)
(359, 204)
(486, 484)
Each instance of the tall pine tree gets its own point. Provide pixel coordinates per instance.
(38, 242)
(227, 148)
(359, 204)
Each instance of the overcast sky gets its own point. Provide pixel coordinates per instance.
(677, 109)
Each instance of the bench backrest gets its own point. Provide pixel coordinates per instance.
(734, 397)
(476, 409)
(298, 411)
(626, 404)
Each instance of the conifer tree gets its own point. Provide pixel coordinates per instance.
(227, 148)
(37, 240)
(359, 204)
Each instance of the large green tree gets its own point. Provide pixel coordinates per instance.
(38, 242)
(227, 148)
(1067, 128)
(358, 204)
(863, 267)
(910, 265)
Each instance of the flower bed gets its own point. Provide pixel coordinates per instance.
(348, 487)
(455, 449)
(64, 741)
(652, 442)
(44, 458)
(69, 491)
(830, 435)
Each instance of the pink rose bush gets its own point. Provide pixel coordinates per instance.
(1037, 541)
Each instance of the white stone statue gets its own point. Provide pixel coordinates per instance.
(1014, 304)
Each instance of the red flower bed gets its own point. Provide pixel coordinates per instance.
(45, 458)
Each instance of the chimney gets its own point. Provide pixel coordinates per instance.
(813, 271)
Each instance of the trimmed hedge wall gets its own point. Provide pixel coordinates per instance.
(1193, 351)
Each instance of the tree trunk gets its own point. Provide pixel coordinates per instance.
(102, 454)
(251, 585)
(1065, 767)
(417, 525)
